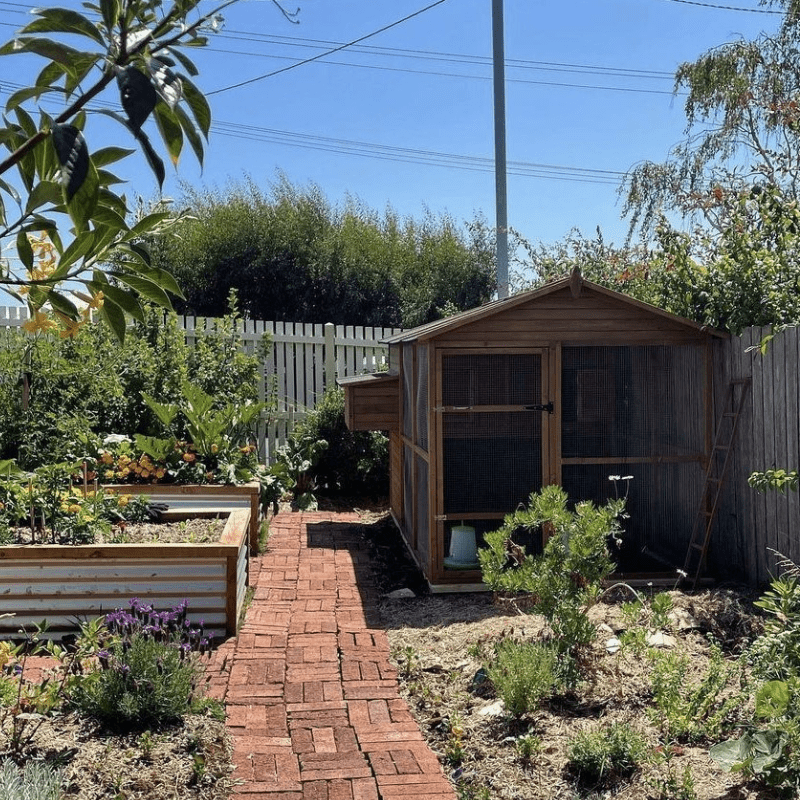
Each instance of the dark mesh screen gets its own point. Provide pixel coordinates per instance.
(627, 402)
(484, 380)
(408, 493)
(661, 502)
(408, 390)
(422, 504)
(492, 461)
(422, 396)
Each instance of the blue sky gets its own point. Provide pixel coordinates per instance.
(589, 94)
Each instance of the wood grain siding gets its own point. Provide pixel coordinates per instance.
(66, 584)
(561, 318)
(372, 403)
(754, 527)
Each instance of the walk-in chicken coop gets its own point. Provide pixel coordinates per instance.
(571, 384)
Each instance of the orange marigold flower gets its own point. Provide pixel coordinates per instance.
(189, 457)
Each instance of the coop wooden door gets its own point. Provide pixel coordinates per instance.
(493, 418)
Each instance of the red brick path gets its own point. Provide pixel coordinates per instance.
(311, 696)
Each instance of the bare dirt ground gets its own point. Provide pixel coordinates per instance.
(441, 642)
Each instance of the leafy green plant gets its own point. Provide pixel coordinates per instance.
(34, 780)
(565, 580)
(603, 756)
(293, 469)
(686, 712)
(524, 674)
(147, 673)
(355, 463)
(660, 606)
(528, 746)
(776, 654)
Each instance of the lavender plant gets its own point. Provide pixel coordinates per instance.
(149, 671)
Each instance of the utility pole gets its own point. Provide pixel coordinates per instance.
(501, 193)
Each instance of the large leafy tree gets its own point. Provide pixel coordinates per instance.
(743, 118)
(61, 216)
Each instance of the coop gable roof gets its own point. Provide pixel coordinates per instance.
(574, 284)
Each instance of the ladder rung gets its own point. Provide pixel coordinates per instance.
(696, 546)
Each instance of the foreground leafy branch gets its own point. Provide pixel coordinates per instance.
(139, 45)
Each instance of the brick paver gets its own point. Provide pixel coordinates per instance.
(312, 700)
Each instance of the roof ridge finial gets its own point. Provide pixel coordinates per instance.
(575, 281)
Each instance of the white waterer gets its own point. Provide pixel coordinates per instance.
(463, 548)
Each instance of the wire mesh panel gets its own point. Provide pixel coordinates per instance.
(422, 397)
(491, 461)
(491, 379)
(628, 402)
(421, 505)
(408, 494)
(408, 390)
(661, 500)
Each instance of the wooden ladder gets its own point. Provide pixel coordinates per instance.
(717, 470)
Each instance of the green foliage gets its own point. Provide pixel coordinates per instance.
(777, 479)
(685, 712)
(56, 392)
(65, 185)
(769, 747)
(293, 256)
(294, 469)
(565, 580)
(525, 674)
(606, 755)
(34, 780)
(355, 463)
(147, 673)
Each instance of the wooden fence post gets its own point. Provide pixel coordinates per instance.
(330, 354)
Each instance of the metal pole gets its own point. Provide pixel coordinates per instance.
(498, 50)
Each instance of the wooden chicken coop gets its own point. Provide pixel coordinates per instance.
(568, 384)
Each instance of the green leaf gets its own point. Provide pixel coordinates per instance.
(63, 20)
(114, 317)
(137, 94)
(110, 10)
(153, 159)
(170, 130)
(126, 300)
(199, 106)
(24, 250)
(772, 699)
(147, 289)
(81, 207)
(139, 253)
(166, 412)
(149, 222)
(82, 244)
(109, 218)
(191, 133)
(109, 155)
(62, 304)
(44, 192)
(186, 63)
(731, 753)
(73, 155)
(163, 278)
(47, 48)
(22, 95)
(50, 74)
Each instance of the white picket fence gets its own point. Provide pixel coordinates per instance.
(301, 361)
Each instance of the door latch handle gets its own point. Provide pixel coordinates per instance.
(548, 407)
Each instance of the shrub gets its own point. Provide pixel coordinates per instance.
(565, 580)
(35, 780)
(524, 674)
(355, 463)
(606, 755)
(686, 712)
(148, 673)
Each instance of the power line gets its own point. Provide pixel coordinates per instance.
(726, 8)
(332, 51)
(383, 152)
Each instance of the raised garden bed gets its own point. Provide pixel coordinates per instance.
(64, 584)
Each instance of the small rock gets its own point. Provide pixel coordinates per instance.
(495, 709)
(605, 630)
(613, 645)
(659, 639)
(400, 594)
